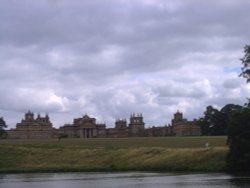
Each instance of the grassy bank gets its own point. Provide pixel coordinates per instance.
(140, 154)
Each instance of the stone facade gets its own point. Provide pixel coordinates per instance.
(179, 127)
(31, 128)
(121, 129)
(135, 128)
(159, 131)
(86, 127)
(183, 127)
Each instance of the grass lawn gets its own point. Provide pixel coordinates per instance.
(109, 154)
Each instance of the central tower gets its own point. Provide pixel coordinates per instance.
(136, 125)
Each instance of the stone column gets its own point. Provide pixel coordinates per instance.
(85, 133)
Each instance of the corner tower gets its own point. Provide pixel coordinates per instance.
(178, 118)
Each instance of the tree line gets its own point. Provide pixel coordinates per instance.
(234, 121)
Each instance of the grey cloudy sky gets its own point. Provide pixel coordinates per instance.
(110, 58)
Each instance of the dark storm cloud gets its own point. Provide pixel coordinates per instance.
(110, 58)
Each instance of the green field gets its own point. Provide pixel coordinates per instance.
(127, 154)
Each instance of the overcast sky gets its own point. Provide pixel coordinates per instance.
(110, 58)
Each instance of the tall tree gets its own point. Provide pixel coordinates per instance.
(227, 112)
(215, 122)
(211, 122)
(246, 63)
(2, 127)
(245, 69)
(239, 128)
(239, 142)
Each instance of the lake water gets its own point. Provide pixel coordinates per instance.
(121, 180)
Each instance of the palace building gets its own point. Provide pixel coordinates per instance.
(86, 127)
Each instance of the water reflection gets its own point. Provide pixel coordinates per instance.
(123, 180)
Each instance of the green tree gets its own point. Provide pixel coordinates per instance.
(2, 127)
(239, 142)
(238, 158)
(245, 69)
(246, 63)
(227, 112)
(215, 122)
(211, 122)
